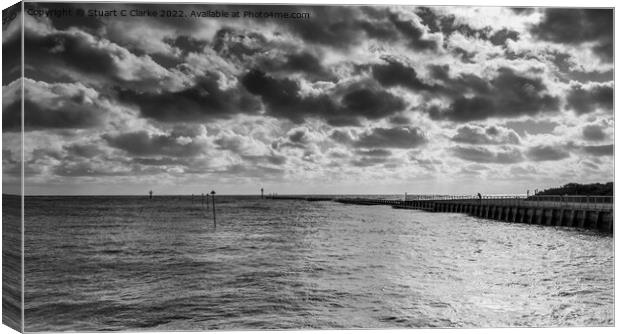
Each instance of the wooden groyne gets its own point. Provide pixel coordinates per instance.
(587, 212)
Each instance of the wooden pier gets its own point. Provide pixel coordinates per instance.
(586, 212)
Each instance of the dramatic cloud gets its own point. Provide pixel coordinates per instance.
(484, 155)
(506, 95)
(489, 136)
(203, 101)
(141, 143)
(415, 96)
(546, 153)
(394, 73)
(599, 150)
(404, 137)
(585, 99)
(593, 132)
(576, 26)
(52, 106)
(78, 54)
(282, 98)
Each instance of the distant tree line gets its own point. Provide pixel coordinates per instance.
(592, 189)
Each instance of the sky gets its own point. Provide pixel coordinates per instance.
(350, 100)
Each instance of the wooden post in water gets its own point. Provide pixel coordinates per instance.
(261, 193)
(213, 199)
(150, 194)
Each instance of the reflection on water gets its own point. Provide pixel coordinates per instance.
(114, 263)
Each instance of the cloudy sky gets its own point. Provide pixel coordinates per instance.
(350, 100)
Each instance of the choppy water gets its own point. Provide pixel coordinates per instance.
(114, 263)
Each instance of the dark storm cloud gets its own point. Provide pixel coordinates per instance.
(83, 150)
(583, 99)
(484, 155)
(593, 132)
(299, 136)
(76, 55)
(61, 107)
(546, 153)
(489, 136)
(344, 26)
(500, 37)
(599, 150)
(282, 98)
(11, 52)
(394, 73)
(576, 26)
(203, 101)
(69, 50)
(399, 137)
(305, 62)
(141, 143)
(337, 26)
(187, 44)
(371, 104)
(301, 62)
(506, 95)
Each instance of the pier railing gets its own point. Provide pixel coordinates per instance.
(596, 202)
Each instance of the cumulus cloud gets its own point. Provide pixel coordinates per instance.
(577, 26)
(283, 98)
(485, 155)
(398, 137)
(506, 95)
(588, 98)
(81, 55)
(546, 153)
(490, 136)
(599, 150)
(142, 143)
(397, 90)
(593, 132)
(205, 100)
(52, 106)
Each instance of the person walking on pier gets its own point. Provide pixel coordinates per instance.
(479, 198)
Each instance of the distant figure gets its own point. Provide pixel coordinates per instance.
(528, 193)
(479, 197)
(150, 194)
(261, 193)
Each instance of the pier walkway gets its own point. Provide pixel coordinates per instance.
(587, 212)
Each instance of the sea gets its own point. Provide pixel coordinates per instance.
(129, 263)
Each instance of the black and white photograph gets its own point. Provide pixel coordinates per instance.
(228, 166)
